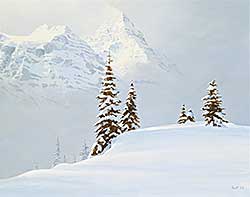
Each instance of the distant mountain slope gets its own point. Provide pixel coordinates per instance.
(49, 57)
(190, 160)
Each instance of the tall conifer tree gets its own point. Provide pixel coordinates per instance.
(107, 127)
(212, 110)
(130, 120)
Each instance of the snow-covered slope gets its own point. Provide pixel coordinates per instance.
(127, 45)
(191, 160)
(49, 57)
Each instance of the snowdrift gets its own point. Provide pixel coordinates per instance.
(174, 161)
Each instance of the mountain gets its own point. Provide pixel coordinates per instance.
(127, 45)
(56, 57)
(171, 160)
(49, 57)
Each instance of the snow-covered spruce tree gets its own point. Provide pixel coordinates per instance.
(212, 110)
(84, 153)
(57, 155)
(190, 115)
(130, 119)
(182, 117)
(107, 125)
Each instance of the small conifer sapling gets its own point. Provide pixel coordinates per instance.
(183, 116)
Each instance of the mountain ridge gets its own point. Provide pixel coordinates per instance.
(55, 57)
(50, 57)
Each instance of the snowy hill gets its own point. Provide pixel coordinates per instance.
(191, 160)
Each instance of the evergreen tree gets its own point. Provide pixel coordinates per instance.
(190, 115)
(57, 154)
(84, 152)
(182, 117)
(64, 159)
(130, 120)
(107, 125)
(212, 110)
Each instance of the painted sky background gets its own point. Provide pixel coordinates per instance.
(206, 39)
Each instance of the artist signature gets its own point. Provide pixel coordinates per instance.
(238, 187)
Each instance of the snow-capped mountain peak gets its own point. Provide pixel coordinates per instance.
(43, 33)
(126, 43)
(123, 24)
(53, 56)
(131, 29)
(3, 36)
